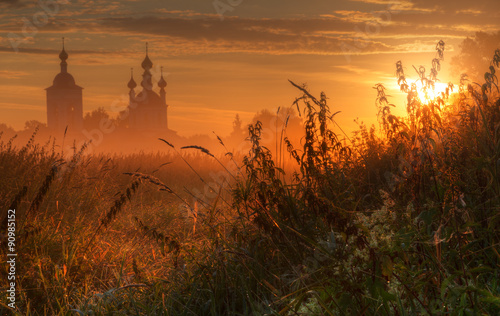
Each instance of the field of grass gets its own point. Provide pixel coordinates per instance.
(399, 220)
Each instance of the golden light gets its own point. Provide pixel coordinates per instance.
(432, 93)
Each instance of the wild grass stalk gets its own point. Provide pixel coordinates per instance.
(400, 221)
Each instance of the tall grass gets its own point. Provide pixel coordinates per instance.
(399, 220)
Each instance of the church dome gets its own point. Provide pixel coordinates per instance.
(147, 63)
(162, 83)
(149, 98)
(64, 80)
(63, 55)
(132, 84)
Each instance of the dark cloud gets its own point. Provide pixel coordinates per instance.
(281, 30)
(235, 29)
(42, 51)
(357, 31)
(449, 21)
(457, 5)
(449, 6)
(13, 3)
(315, 35)
(269, 35)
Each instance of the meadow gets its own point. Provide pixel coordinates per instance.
(402, 219)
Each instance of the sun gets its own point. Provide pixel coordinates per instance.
(431, 94)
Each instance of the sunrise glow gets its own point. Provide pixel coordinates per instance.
(249, 157)
(428, 94)
(225, 58)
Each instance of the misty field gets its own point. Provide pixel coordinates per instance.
(402, 219)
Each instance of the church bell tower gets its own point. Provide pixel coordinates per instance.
(64, 100)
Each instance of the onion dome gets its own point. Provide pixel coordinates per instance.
(162, 83)
(63, 55)
(64, 80)
(131, 84)
(147, 63)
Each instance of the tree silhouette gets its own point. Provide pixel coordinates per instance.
(33, 124)
(475, 55)
(93, 119)
(237, 127)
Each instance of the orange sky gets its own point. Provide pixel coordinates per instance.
(235, 58)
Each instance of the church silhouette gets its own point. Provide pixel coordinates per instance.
(147, 110)
(64, 100)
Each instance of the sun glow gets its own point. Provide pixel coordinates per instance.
(432, 93)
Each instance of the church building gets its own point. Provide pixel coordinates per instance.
(64, 100)
(147, 109)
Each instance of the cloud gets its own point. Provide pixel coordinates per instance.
(355, 16)
(249, 35)
(20, 106)
(454, 5)
(351, 30)
(436, 6)
(187, 13)
(12, 74)
(13, 3)
(43, 51)
(394, 6)
(357, 31)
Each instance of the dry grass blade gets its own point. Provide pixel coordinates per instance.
(173, 246)
(119, 203)
(158, 236)
(21, 194)
(161, 186)
(18, 197)
(219, 139)
(44, 188)
(304, 90)
(163, 164)
(204, 150)
(153, 180)
(78, 154)
(166, 142)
